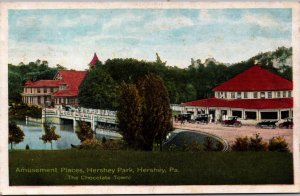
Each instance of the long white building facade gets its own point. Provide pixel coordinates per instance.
(255, 94)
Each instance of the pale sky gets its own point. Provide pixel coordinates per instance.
(70, 37)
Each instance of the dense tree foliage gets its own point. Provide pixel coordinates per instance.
(19, 74)
(130, 114)
(15, 134)
(144, 112)
(21, 110)
(156, 112)
(98, 90)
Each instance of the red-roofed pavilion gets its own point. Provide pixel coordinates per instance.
(255, 94)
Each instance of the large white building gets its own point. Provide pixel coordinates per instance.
(255, 94)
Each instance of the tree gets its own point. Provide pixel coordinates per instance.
(15, 135)
(50, 134)
(98, 90)
(14, 86)
(257, 144)
(156, 112)
(84, 131)
(278, 144)
(129, 113)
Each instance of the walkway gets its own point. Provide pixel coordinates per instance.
(230, 133)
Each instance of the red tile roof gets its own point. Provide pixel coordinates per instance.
(73, 79)
(255, 79)
(42, 83)
(243, 103)
(94, 60)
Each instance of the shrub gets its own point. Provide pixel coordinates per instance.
(114, 145)
(278, 144)
(91, 144)
(84, 131)
(256, 144)
(241, 144)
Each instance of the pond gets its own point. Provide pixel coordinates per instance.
(34, 131)
(180, 138)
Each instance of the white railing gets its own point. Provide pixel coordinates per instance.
(84, 114)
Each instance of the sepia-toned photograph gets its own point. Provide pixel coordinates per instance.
(173, 97)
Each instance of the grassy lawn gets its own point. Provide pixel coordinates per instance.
(180, 168)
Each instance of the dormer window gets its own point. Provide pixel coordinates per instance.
(62, 86)
(245, 95)
(289, 93)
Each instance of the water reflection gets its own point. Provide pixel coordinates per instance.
(34, 131)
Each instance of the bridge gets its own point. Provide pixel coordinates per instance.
(97, 118)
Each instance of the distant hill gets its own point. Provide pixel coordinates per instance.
(278, 59)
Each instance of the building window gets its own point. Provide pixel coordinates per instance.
(237, 113)
(278, 94)
(45, 90)
(289, 93)
(239, 95)
(262, 95)
(245, 95)
(284, 94)
(225, 95)
(219, 94)
(233, 95)
(38, 90)
(255, 95)
(269, 95)
(51, 90)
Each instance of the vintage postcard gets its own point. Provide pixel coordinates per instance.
(149, 97)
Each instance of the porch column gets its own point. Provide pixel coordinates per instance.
(258, 115)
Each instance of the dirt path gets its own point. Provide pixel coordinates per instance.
(230, 133)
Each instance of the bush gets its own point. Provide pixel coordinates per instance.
(94, 144)
(91, 144)
(278, 144)
(241, 144)
(84, 131)
(256, 144)
(114, 145)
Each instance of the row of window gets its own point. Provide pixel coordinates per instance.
(255, 95)
(40, 90)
